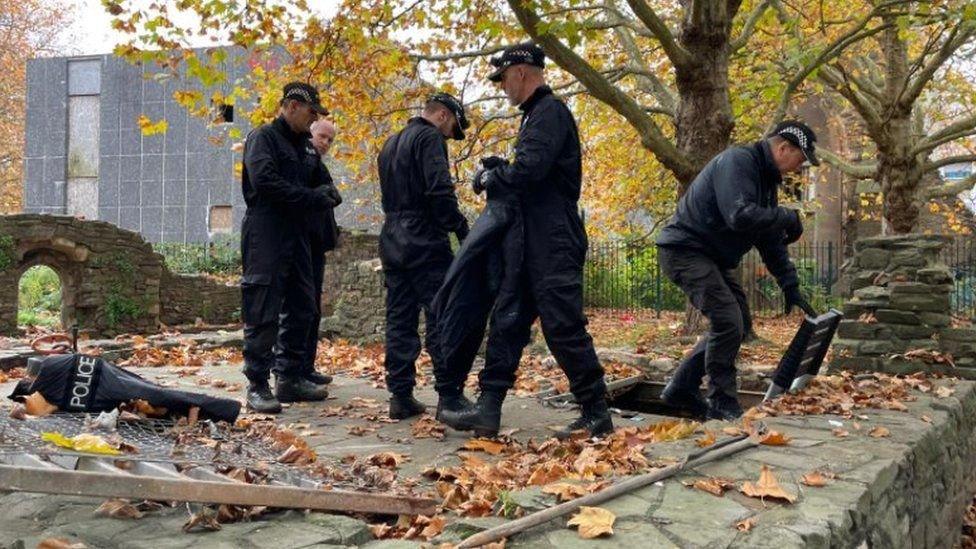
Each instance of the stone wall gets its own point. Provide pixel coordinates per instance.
(112, 281)
(352, 248)
(187, 298)
(898, 319)
(359, 312)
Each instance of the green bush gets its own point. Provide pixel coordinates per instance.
(220, 257)
(39, 297)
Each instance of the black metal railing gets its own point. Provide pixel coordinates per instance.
(625, 275)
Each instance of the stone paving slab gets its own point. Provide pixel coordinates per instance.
(906, 490)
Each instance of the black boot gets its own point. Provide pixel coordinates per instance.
(317, 377)
(724, 407)
(594, 419)
(484, 418)
(454, 403)
(404, 406)
(299, 389)
(260, 398)
(690, 400)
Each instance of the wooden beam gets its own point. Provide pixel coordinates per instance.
(80, 483)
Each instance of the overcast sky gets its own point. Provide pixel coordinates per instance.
(91, 30)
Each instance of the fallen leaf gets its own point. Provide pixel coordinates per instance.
(944, 391)
(746, 524)
(434, 527)
(879, 432)
(19, 411)
(492, 447)
(712, 485)
(205, 519)
(707, 440)
(381, 530)
(814, 478)
(926, 419)
(36, 405)
(386, 459)
(59, 543)
(565, 491)
(840, 433)
(766, 487)
(593, 522)
(774, 438)
(118, 508)
(547, 473)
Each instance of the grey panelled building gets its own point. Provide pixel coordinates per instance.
(86, 155)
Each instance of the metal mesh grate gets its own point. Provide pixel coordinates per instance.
(214, 445)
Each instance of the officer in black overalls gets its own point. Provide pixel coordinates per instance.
(421, 209)
(729, 208)
(323, 236)
(280, 173)
(547, 174)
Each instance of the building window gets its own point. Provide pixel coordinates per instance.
(221, 219)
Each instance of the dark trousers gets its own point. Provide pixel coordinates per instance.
(297, 319)
(719, 296)
(560, 311)
(407, 293)
(270, 293)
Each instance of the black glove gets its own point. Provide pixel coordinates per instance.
(333, 193)
(326, 199)
(492, 162)
(462, 233)
(793, 298)
(795, 230)
(480, 180)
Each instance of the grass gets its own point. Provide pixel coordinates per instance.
(39, 298)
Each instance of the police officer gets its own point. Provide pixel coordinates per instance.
(728, 209)
(281, 169)
(323, 233)
(420, 209)
(547, 175)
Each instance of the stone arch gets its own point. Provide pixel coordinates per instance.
(68, 272)
(112, 281)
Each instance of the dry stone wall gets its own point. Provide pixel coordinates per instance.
(898, 318)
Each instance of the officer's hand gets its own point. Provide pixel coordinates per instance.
(333, 193)
(478, 182)
(461, 234)
(492, 162)
(795, 230)
(793, 298)
(327, 198)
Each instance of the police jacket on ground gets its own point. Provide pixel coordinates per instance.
(81, 383)
(418, 198)
(482, 280)
(547, 174)
(732, 206)
(281, 170)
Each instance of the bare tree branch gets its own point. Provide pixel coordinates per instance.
(600, 88)
(857, 171)
(864, 105)
(750, 26)
(948, 161)
(459, 55)
(958, 36)
(646, 14)
(949, 190)
(957, 130)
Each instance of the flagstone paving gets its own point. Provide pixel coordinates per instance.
(908, 489)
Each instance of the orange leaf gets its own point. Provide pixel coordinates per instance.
(814, 478)
(593, 522)
(766, 487)
(714, 486)
(879, 432)
(774, 438)
(840, 433)
(565, 491)
(492, 447)
(706, 440)
(745, 525)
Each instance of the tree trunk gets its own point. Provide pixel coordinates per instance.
(898, 170)
(703, 121)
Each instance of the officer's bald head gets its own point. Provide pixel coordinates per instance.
(323, 135)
